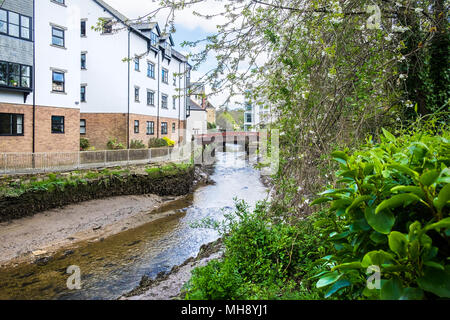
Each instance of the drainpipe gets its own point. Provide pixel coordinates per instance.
(128, 111)
(179, 101)
(157, 115)
(34, 80)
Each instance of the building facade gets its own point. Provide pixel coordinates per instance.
(60, 79)
(32, 90)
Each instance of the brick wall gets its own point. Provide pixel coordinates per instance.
(18, 143)
(46, 141)
(101, 127)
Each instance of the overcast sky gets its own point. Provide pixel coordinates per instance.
(188, 27)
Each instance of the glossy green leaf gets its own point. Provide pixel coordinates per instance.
(337, 286)
(444, 223)
(404, 169)
(433, 264)
(357, 202)
(398, 243)
(377, 258)
(429, 177)
(381, 222)
(348, 265)
(328, 279)
(391, 289)
(411, 294)
(443, 197)
(410, 189)
(340, 155)
(436, 281)
(403, 199)
(321, 200)
(388, 135)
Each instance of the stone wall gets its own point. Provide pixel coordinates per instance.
(32, 202)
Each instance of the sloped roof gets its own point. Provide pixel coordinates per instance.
(137, 27)
(194, 106)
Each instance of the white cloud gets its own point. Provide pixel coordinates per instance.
(138, 8)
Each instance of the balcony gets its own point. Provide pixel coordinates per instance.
(16, 78)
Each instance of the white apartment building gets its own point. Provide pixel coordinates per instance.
(59, 78)
(39, 106)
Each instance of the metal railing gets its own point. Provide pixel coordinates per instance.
(19, 163)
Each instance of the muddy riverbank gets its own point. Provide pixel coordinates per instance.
(38, 237)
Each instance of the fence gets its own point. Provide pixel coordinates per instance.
(17, 163)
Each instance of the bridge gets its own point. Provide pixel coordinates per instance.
(249, 140)
(227, 137)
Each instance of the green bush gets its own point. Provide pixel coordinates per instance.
(84, 144)
(390, 210)
(262, 259)
(113, 144)
(157, 143)
(137, 144)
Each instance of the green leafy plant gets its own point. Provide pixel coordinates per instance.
(137, 144)
(391, 210)
(113, 144)
(84, 144)
(157, 143)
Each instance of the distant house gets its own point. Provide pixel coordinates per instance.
(211, 112)
(197, 93)
(197, 121)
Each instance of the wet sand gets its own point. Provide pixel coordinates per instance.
(30, 238)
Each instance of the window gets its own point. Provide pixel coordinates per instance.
(3, 21)
(173, 127)
(57, 124)
(165, 75)
(150, 128)
(59, 1)
(15, 75)
(25, 26)
(174, 79)
(174, 102)
(136, 126)
(150, 98)
(83, 28)
(58, 84)
(167, 49)
(82, 126)
(57, 37)
(151, 70)
(83, 93)
(83, 61)
(11, 124)
(15, 25)
(136, 94)
(107, 26)
(153, 39)
(248, 117)
(136, 64)
(164, 102)
(163, 127)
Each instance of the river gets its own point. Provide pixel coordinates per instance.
(115, 265)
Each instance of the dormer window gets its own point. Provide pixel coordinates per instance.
(153, 39)
(167, 48)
